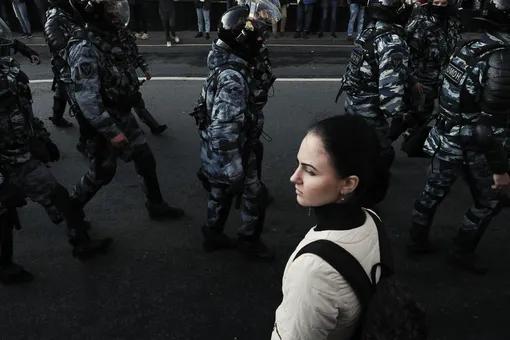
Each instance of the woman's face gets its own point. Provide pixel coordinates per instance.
(315, 179)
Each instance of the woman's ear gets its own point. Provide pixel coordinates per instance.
(349, 184)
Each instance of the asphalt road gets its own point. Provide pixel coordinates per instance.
(157, 283)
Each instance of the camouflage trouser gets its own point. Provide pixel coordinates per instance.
(59, 100)
(422, 105)
(441, 176)
(382, 128)
(253, 208)
(103, 163)
(38, 184)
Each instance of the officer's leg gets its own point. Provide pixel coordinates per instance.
(86, 133)
(487, 205)
(41, 187)
(253, 213)
(441, 176)
(382, 130)
(258, 149)
(10, 272)
(218, 210)
(146, 117)
(103, 165)
(145, 165)
(59, 106)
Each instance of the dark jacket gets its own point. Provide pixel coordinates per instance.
(206, 4)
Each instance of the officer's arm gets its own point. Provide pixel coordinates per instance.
(142, 63)
(84, 64)
(25, 51)
(55, 37)
(393, 68)
(415, 35)
(227, 119)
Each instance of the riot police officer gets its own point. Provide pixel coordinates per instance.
(468, 137)
(376, 75)
(17, 46)
(25, 147)
(103, 92)
(432, 38)
(127, 42)
(56, 32)
(230, 125)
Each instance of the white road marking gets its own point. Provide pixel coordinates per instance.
(286, 80)
(350, 46)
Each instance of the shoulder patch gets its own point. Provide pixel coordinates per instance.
(397, 61)
(85, 69)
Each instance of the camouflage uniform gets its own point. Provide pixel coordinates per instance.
(233, 126)
(431, 41)
(457, 148)
(127, 41)
(375, 79)
(103, 91)
(57, 31)
(24, 145)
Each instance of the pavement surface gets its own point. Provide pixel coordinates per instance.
(157, 283)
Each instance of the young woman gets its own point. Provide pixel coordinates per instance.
(339, 172)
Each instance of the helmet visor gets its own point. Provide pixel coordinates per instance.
(6, 37)
(264, 12)
(117, 12)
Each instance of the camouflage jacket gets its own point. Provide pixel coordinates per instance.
(452, 137)
(230, 116)
(17, 122)
(102, 89)
(431, 42)
(375, 84)
(127, 41)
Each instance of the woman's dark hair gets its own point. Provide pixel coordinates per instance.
(354, 149)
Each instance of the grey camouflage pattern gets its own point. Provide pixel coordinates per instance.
(431, 43)
(442, 175)
(447, 144)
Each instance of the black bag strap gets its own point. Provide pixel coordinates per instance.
(344, 263)
(386, 255)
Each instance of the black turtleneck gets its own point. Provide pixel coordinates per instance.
(339, 216)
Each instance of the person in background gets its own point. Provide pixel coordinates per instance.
(283, 9)
(41, 10)
(140, 23)
(167, 14)
(304, 18)
(21, 12)
(325, 5)
(340, 170)
(357, 12)
(203, 8)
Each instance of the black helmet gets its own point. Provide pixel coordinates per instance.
(103, 14)
(444, 8)
(245, 28)
(495, 15)
(387, 10)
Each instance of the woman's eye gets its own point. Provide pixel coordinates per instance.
(311, 173)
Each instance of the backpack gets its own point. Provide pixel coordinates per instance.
(389, 311)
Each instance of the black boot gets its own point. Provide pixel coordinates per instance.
(84, 247)
(150, 121)
(253, 247)
(60, 122)
(419, 241)
(463, 254)
(216, 240)
(158, 211)
(13, 273)
(199, 35)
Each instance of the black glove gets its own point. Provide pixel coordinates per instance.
(53, 151)
(11, 196)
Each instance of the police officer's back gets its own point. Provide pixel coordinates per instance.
(468, 137)
(377, 72)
